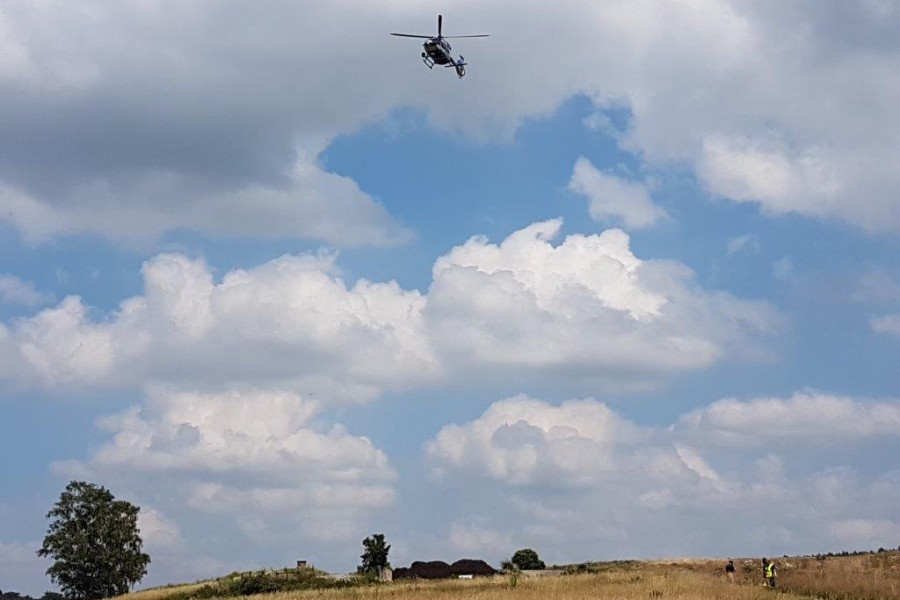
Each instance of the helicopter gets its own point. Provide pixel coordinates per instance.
(437, 49)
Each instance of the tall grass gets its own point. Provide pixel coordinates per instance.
(867, 577)
(862, 577)
(659, 584)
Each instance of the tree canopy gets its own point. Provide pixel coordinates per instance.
(94, 542)
(375, 556)
(527, 559)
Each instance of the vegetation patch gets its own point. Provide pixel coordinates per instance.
(265, 582)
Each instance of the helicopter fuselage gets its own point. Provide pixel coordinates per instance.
(438, 50)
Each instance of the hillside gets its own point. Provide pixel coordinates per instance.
(863, 577)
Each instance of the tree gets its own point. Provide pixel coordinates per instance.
(527, 559)
(375, 556)
(95, 543)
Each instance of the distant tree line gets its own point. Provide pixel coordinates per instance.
(854, 552)
(18, 596)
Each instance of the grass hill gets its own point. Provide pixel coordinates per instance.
(869, 576)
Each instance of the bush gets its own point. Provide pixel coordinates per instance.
(263, 582)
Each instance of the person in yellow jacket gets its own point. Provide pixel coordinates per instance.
(771, 573)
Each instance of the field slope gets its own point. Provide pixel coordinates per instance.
(863, 577)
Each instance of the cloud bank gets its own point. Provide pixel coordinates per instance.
(587, 306)
(580, 478)
(211, 118)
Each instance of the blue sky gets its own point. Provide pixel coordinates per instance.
(629, 289)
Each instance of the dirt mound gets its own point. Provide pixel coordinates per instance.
(438, 569)
(472, 566)
(432, 569)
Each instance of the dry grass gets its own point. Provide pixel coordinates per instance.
(673, 585)
(664, 584)
(159, 593)
(868, 577)
(864, 577)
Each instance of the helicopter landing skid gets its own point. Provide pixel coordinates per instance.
(429, 62)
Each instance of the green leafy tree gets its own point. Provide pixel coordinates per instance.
(94, 542)
(375, 556)
(527, 560)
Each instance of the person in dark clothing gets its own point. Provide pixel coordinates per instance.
(729, 570)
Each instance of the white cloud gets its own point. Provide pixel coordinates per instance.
(15, 291)
(656, 491)
(805, 415)
(523, 441)
(695, 462)
(743, 171)
(196, 113)
(290, 322)
(748, 243)
(613, 198)
(311, 204)
(262, 453)
(61, 345)
(157, 531)
(252, 432)
(587, 304)
(889, 324)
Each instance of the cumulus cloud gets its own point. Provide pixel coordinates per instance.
(210, 109)
(521, 440)
(310, 204)
(16, 291)
(743, 171)
(164, 121)
(580, 478)
(291, 321)
(157, 531)
(807, 416)
(587, 305)
(241, 453)
(60, 345)
(614, 198)
(261, 432)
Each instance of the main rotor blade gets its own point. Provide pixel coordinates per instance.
(465, 36)
(424, 37)
(440, 22)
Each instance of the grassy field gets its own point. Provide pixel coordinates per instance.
(865, 577)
